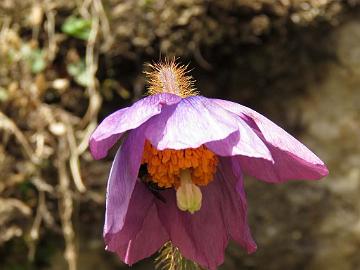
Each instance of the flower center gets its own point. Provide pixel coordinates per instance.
(165, 166)
(170, 77)
(183, 170)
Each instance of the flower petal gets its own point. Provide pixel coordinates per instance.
(122, 179)
(142, 234)
(242, 142)
(113, 126)
(190, 123)
(292, 159)
(202, 236)
(234, 206)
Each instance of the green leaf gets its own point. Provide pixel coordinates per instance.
(38, 63)
(77, 27)
(79, 72)
(34, 57)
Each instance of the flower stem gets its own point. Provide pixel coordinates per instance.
(170, 258)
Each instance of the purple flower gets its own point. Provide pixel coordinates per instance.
(178, 175)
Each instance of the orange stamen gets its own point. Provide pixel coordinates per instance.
(164, 166)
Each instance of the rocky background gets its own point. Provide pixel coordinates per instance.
(65, 65)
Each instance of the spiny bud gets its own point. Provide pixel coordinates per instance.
(170, 77)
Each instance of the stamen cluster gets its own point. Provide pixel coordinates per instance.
(164, 166)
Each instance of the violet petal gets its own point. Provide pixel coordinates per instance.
(142, 234)
(234, 206)
(203, 236)
(190, 123)
(243, 142)
(113, 126)
(122, 178)
(292, 159)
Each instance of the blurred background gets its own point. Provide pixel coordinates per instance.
(65, 65)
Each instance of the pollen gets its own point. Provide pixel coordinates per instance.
(165, 166)
(170, 77)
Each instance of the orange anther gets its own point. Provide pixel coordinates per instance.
(165, 166)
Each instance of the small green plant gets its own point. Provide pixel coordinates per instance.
(79, 72)
(77, 27)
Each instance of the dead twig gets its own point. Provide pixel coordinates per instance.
(66, 206)
(8, 125)
(35, 228)
(91, 60)
(74, 159)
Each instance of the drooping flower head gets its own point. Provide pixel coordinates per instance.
(178, 175)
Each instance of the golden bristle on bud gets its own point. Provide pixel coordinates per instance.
(170, 258)
(170, 77)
